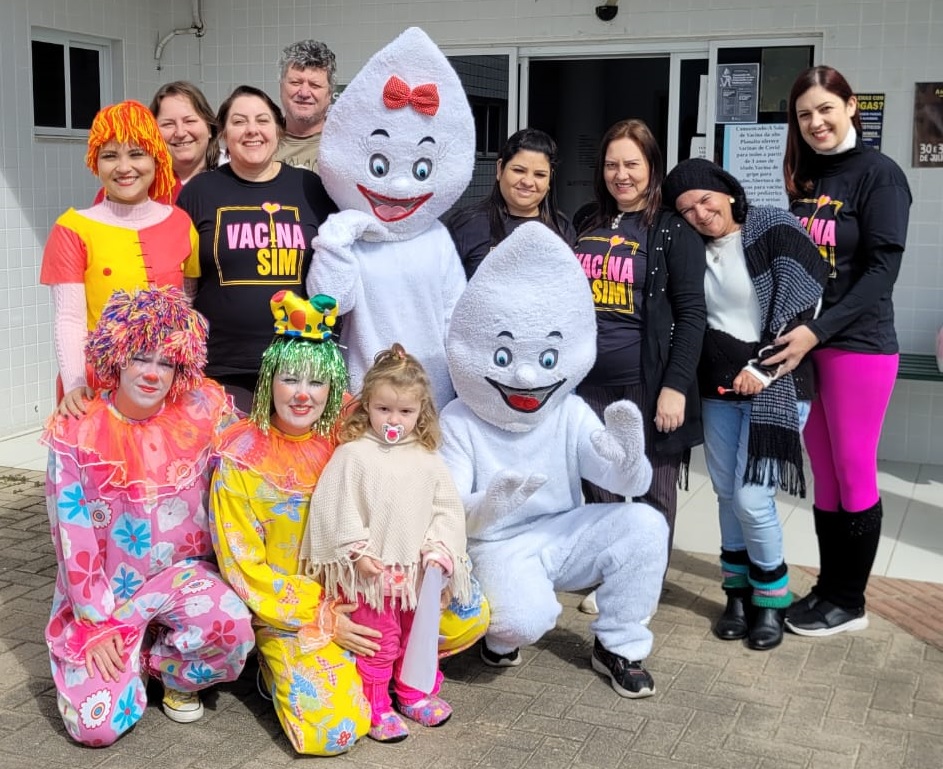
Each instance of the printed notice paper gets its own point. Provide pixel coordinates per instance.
(754, 155)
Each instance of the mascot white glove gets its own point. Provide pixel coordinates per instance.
(338, 272)
(622, 443)
(342, 228)
(507, 491)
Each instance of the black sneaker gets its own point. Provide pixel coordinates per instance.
(823, 618)
(803, 604)
(509, 660)
(629, 679)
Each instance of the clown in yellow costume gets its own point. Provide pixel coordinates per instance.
(268, 467)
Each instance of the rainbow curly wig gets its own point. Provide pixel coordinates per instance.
(147, 321)
(132, 123)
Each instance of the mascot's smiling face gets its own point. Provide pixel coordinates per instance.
(523, 334)
(399, 144)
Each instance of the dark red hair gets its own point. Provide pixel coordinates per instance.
(797, 163)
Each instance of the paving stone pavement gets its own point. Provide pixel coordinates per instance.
(869, 700)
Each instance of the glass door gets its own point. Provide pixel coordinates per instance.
(490, 81)
(749, 84)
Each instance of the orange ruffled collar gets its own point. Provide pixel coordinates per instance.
(289, 463)
(151, 458)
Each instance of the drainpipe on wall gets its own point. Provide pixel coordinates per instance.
(197, 28)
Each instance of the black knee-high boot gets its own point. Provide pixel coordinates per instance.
(837, 604)
(861, 534)
(828, 532)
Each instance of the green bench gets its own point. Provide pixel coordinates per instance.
(919, 367)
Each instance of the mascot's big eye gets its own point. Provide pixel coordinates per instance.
(548, 358)
(379, 165)
(503, 357)
(422, 168)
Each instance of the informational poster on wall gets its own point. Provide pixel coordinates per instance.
(754, 155)
(738, 87)
(928, 126)
(871, 112)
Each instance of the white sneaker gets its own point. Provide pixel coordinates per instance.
(182, 707)
(588, 604)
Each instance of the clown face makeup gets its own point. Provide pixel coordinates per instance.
(399, 143)
(298, 400)
(143, 385)
(393, 413)
(515, 353)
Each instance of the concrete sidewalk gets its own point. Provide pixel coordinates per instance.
(869, 700)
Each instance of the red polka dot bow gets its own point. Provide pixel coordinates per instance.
(423, 98)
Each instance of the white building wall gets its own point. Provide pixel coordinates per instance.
(880, 45)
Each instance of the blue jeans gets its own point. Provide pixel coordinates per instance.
(748, 517)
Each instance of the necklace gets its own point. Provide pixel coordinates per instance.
(617, 220)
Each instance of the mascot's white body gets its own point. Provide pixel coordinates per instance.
(398, 149)
(518, 441)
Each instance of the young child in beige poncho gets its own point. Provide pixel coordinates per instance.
(384, 509)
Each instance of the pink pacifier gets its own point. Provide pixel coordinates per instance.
(392, 433)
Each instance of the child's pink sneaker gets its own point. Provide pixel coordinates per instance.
(429, 711)
(391, 728)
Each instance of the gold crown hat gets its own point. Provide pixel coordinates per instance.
(303, 344)
(312, 318)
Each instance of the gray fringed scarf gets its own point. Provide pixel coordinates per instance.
(788, 274)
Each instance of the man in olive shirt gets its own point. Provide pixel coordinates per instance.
(306, 87)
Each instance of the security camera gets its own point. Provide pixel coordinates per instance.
(606, 12)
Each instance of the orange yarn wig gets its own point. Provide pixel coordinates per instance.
(132, 123)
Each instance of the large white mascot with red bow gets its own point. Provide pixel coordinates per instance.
(398, 150)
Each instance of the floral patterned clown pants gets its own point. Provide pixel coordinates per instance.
(193, 631)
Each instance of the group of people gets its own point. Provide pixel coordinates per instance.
(746, 338)
(212, 489)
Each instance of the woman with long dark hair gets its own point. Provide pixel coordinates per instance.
(854, 202)
(523, 190)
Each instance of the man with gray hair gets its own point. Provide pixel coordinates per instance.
(306, 85)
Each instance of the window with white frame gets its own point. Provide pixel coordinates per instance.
(71, 79)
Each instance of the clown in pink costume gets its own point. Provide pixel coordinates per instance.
(398, 149)
(518, 443)
(137, 591)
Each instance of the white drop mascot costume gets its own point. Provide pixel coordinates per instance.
(517, 441)
(398, 149)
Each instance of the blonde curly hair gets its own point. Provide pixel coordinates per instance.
(401, 371)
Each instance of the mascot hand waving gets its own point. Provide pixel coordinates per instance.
(398, 150)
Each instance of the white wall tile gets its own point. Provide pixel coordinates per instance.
(880, 46)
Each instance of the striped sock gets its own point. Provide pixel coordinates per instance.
(734, 567)
(770, 587)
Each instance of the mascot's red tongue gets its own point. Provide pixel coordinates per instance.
(524, 402)
(390, 213)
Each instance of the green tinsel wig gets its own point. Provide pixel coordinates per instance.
(303, 346)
